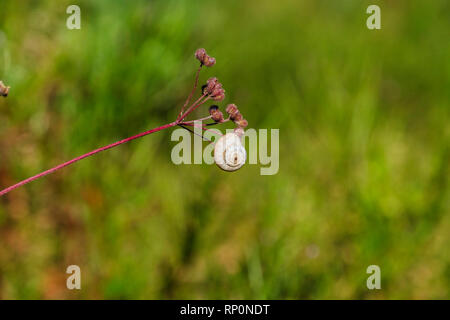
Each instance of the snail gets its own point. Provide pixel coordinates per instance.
(229, 153)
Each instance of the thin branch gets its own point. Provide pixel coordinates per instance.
(192, 131)
(65, 164)
(194, 106)
(201, 127)
(193, 90)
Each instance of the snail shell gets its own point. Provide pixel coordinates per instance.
(229, 153)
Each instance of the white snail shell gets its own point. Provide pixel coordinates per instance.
(229, 153)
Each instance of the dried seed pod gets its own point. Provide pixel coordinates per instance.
(231, 109)
(209, 61)
(211, 85)
(217, 116)
(214, 89)
(200, 54)
(241, 123)
(204, 58)
(237, 117)
(229, 153)
(4, 90)
(218, 95)
(215, 113)
(234, 113)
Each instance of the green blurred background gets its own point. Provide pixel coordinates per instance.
(364, 150)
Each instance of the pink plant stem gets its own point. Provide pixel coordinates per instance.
(194, 106)
(192, 92)
(65, 164)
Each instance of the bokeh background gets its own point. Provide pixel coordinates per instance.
(364, 150)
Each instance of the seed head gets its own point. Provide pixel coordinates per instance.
(215, 113)
(217, 116)
(204, 58)
(214, 89)
(233, 111)
(241, 123)
(237, 117)
(218, 95)
(211, 85)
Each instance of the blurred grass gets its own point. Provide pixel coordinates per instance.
(364, 150)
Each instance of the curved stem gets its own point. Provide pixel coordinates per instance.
(65, 164)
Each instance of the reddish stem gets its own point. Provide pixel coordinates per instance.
(194, 106)
(65, 164)
(192, 92)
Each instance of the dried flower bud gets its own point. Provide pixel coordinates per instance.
(231, 109)
(237, 117)
(211, 85)
(209, 61)
(234, 113)
(215, 113)
(200, 54)
(4, 90)
(219, 95)
(204, 58)
(217, 88)
(241, 123)
(217, 116)
(214, 89)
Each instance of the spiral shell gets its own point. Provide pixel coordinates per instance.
(229, 153)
